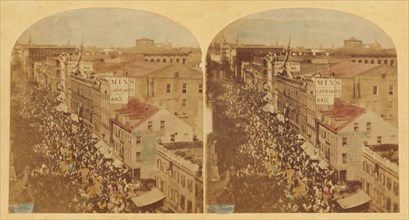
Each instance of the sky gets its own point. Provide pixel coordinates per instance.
(311, 28)
(106, 27)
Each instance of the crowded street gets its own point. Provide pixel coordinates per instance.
(58, 167)
(270, 172)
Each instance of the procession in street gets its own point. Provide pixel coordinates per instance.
(64, 171)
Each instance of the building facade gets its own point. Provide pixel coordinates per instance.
(136, 130)
(370, 86)
(380, 176)
(179, 176)
(343, 129)
(353, 43)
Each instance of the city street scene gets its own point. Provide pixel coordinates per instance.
(106, 115)
(303, 111)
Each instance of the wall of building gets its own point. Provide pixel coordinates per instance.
(180, 184)
(343, 147)
(380, 180)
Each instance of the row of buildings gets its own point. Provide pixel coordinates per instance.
(344, 106)
(147, 115)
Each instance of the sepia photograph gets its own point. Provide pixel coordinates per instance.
(204, 109)
(304, 105)
(106, 115)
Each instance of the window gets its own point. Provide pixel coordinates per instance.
(182, 202)
(390, 89)
(172, 138)
(395, 207)
(356, 127)
(198, 191)
(183, 180)
(158, 163)
(379, 140)
(177, 74)
(369, 188)
(168, 88)
(388, 204)
(170, 193)
(370, 170)
(138, 139)
(189, 185)
(344, 158)
(368, 126)
(396, 188)
(375, 194)
(176, 196)
(149, 125)
(389, 183)
(162, 124)
(200, 88)
(184, 102)
(375, 90)
(138, 156)
(184, 87)
(382, 178)
(364, 167)
(189, 206)
(344, 141)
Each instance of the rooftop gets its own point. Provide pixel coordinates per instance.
(137, 112)
(132, 67)
(192, 151)
(348, 69)
(340, 115)
(388, 151)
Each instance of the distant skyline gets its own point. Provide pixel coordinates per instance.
(311, 28)
(106, 27)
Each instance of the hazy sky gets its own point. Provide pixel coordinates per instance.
(308, 27)
(107, 26)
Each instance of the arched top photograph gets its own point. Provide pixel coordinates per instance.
(95, 102)
(312, 97)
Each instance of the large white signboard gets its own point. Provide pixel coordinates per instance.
(120, 89)
(326, 89)
(292, 66)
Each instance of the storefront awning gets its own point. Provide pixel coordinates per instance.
(103, 148)
(357, 199)
(117, 163)
(323, 164)
(268, 108)
(155, 195)
(74, 117)
(310, 151)
(62, 107)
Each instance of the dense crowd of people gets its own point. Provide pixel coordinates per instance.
(273, 156)
(68, 151)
